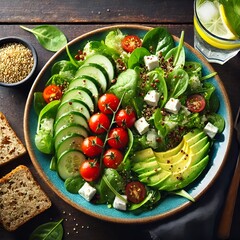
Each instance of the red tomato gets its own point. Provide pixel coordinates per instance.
(118, 138)
(99, 123)
(112, 158)
(135, 191)
(90, 170)
(196, 103)
(130, 43)
(52, 92)
(92, 146)
(125, 117)
(108, 103)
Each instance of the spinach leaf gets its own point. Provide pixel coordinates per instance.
(217, 120)
(38, 102)
(50, 37)
(178, 54)
(177, 82)
(116, 182)
(64, 68)
(193, 68)
(156, 76)
(158, 40)
(48, 231)
(73, 184)
(126, 83)
(136, 57)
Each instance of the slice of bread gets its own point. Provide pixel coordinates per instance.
(10, 145)
(21, 198)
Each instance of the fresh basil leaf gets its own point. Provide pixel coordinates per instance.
(50, 37)
(48, 231)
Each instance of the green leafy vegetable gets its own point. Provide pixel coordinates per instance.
(50, 37)
(38, 102)
(73, 184)
(136, 57)
(48, 231)
(158, 40)
(126, 83)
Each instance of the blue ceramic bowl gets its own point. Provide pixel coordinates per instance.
(168, 206)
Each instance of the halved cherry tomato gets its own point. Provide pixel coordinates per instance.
(196, 103)
(118, 138)
(99, 123)
(135, 191)
(130, 43)
(92, 146)
(108, 103)
(90, 170)
(112, 158)
(125, 117)
(52, 92)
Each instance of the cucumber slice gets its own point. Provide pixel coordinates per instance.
(69, 163)
(71, 117)
(73, 141)
(93, 71)
(104, 62)
(73, 105)
(80, 93)
(87, 82)
(66, 131)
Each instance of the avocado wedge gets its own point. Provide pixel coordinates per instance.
(175, 168)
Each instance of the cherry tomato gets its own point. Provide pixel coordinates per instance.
(118, 138)
(92, 146)
(135, 191)
(196, 103)
(112, 158)
(90, 170)
(130, 43)
(108, 103)
(52, 92)
(99, 123)
(125, 117)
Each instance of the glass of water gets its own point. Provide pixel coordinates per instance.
(214, 37)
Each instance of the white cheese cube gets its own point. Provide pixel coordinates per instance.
(152, 98)
(141, 125)
(173, 105)
(87, 191)
(210, 130)
(119, 203)
(151, 62)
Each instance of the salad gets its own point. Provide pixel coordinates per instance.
(128, 120)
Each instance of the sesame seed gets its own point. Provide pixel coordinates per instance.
(16, 62)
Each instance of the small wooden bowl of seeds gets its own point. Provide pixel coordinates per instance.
(18, 61)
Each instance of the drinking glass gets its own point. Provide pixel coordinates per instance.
(214, 48)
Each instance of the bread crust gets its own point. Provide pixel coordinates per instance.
(21, 198)
(11, 146)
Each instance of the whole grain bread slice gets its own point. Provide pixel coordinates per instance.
(21, 198)
(11, 146)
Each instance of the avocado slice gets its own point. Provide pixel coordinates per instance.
(175, 168)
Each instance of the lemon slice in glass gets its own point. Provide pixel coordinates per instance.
(213, 18)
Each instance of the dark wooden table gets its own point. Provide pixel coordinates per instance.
(74, 18)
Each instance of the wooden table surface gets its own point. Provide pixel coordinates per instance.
(75, 18)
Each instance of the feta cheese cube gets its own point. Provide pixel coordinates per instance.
(87, 191)
(152, 98)
(119, 203)
(141, 125)
(173, 105)
(151, 62)
(210, 130)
